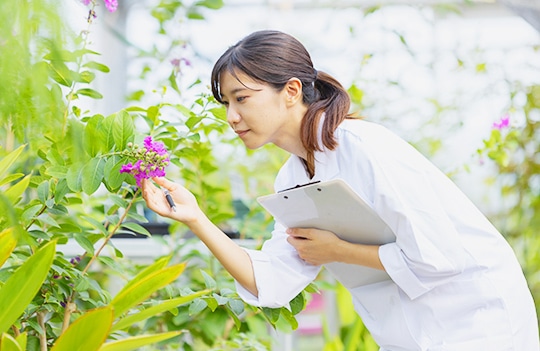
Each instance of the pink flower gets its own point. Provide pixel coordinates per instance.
(111, 5)
(504, 122)
(152, 159)
(177, 61)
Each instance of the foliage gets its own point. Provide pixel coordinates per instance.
(61, 183)
(352, 334)
(513, 150)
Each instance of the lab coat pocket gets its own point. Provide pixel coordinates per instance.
(379, 306)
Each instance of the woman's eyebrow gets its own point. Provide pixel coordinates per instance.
(234, 91)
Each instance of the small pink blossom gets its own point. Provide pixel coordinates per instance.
(503, 123)
(152, 159)
(177, 61)
(111, 5)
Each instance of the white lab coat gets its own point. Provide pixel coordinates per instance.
(456, 283)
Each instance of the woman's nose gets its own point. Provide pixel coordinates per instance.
(233, 116)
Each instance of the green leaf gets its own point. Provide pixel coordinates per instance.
(172, 82)
(15, 192)
(197, 306)
(88, 332)
(43, 191)
(57, 171)
(44, 218)
(272, 314)
(82, 284)
(74, 177)
(91, 141)
(8, 160)
(10, 178)
(289, 317)
(83, 241)
(123, 129)
(106, 133)
(60, 73)
(219, 112)
(211, 4)
(192, 122)
(298, 303)
(92, 175)
(138, 292)
(22, 340)
(87, 76)
(90, 93)
(23, 284)
(155, 310)
(96, 224)
(113, 178)
(236, 319)
(153, 114)
(8, 343)
(184, 110)
(97, 66)
(137, 342)
(209, 282)
(236, 306)
(8, 242)
(154, 267)
(61, 190)
(137, 228)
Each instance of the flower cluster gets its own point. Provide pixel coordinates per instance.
(151, 160)
(111, 5)
(503, 123)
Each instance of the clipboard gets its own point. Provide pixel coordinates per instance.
(334, 206)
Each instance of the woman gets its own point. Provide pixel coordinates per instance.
(455, 282)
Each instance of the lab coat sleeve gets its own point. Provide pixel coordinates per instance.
(405, 190)
(280, 274)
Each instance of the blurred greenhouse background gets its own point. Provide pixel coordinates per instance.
(441, 73)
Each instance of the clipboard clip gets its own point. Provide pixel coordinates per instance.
(299, 186)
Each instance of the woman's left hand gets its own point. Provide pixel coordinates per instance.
(320, 247)
(314, 246)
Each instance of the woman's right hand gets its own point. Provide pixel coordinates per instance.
(187, 208)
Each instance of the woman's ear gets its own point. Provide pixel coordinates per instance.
(293, 91)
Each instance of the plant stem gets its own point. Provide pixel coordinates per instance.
(113, 231)
(79, 61)
(43, 334)
(70, 306)
(16, 331)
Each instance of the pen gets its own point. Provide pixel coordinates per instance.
(170, 200)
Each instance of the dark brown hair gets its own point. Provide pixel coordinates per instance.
(273, 57)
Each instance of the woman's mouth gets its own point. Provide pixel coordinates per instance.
(241, 133)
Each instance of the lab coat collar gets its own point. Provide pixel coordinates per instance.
(326, 167)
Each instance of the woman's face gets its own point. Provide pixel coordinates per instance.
(256, 111)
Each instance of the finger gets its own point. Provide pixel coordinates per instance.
(148, 189)
(165, 183)
(300, 233)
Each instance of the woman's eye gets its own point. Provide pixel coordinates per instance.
(240, 98)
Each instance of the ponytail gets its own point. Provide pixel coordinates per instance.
(330, 99)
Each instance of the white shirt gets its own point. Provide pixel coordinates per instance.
(455, 285)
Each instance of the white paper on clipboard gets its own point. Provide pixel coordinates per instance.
(333, 205)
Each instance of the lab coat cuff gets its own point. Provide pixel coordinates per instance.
(392, 259)
(261, 268)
